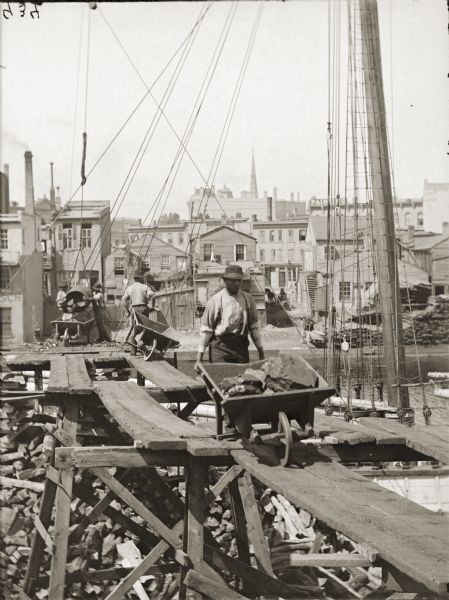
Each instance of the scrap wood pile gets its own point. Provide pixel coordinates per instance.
(430, 326)
(278, 374)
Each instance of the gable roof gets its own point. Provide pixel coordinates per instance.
(137, 246)
(430, 242)
(215, 229)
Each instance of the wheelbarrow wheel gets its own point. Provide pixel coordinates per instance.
(148, 355)
(284, 427)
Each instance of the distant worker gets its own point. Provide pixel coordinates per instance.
(100, 312)
(137, 297)
(229, 317)
(61, 296)
(282, 296)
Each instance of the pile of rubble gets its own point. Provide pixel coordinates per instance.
(429, 326)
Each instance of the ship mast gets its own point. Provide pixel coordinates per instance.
(382, 200)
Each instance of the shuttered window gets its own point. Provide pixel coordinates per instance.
(5, 322)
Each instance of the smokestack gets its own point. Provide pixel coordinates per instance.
(52, 188)
(29, 188)
(269, 208)
(292, 196)
(275, 194)
(58, 199)
(4, 191)
(297, 196)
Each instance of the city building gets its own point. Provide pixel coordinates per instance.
(21, 298)
(436, 205)
(120, 230)
(282, 249)
(224, 245)
(83, 241)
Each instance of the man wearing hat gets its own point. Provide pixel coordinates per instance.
(230, 315)
(99, 308)
(137, 298)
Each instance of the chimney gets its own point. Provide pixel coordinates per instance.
(58, 199)
(265, 194)
(292, 196)
(253, 218)
(52, 188)
(29, 189)
(275, 194)
(297, 196)
(269, 208)
(4, 191)
(445, 226)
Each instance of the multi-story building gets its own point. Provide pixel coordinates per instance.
(282, 249)
(21, 298)
(436, 206)
(83, 241)
(120, 230)
(175, 234)
(225, 245)
(407, 211)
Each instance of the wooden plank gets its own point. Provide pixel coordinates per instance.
(132, 408)
(79, 380)
(337, 560)
(165, 376)
(62, 510)
(239, 522)
(405, 534)
(210, 588)
(116, 456)
(418, 437)
(261, 582)
(339, 431)
(58, 382)
(254, 525)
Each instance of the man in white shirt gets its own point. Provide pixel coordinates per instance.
(229, 317)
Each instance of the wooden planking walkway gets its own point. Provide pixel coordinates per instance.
(28, 361)
(418, 437)
(409, 537)
(338, 431)
(150, 424)
(68, 375)
(164, 376)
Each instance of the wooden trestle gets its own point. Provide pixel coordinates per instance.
(407, 540)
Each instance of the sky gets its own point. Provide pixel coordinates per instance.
(53, 89)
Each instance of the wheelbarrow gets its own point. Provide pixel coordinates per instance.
(152, 336)
(277, 409)
(74, 331)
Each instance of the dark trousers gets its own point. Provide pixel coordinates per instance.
(229, 349)
(144, 310)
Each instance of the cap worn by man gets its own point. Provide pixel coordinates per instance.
(233, 272)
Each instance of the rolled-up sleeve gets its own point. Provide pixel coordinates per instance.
(209, 319)
(253, 317)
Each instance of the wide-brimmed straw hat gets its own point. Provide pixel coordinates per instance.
(233, 272)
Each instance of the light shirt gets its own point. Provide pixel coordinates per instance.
(226, 314)
(138, 293)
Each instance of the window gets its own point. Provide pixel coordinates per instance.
(280, 235)
(4, 277)
(86, 235)
(291, 274)
(302, 234)
(420, 219)
(180, 238)
(290, 235)
(408, 219)
(207, 252)
(262, 255)
(280, 255)
(240, 252)
(271, 235)
(330, 252)
(291, 255)
(4, 239)
(165, 261)
(145, 265)
(119, 265)
(344, 290)
(5, 322)
(273, 255)
(262, 235)
(67, 236)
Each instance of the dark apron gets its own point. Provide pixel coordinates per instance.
(230, 348)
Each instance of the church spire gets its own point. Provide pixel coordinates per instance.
(253, 184)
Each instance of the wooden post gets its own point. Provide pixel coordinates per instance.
(62, 515)
(385, 241)
(195, 500)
